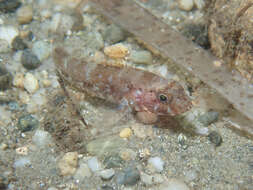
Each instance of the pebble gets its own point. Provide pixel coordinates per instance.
(125, 133)
(8, 33)
(45, 14)
(142, 131)
(116, 51)
(29, 60)
(68, 163)
(3, 182)
(200, 4)
(128, 154)
(5, 78)
(52, 188)
(25, 14)
(173, 184)
(130, 176)
(46, 83)
(215, 138)
(158, 178)
(190, 175)
(4, 46)
(93, 40)
(61, 23)
(42, 50)
(156, 164)
(42, 138)
(94, 164)
(68, 3)
(146, 179)
(5, 116)
(185, 5)
(18, 44)
(113, 161)
(31, 83)
(27, 123)
(182, 140)
(190, 122)
(82, 172)
(105, 146)
(18, 80)
(141, 57)
(22, 162)
(107, 174)
(8, 6)
(113, 34)
(24, 97)
(198, 33)
(22, 150)
(209, 117)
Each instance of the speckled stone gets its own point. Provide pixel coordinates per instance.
(68, 163)
(27, 123)
(31, 83)
(18, 44)
(5, 78)
(215, 138)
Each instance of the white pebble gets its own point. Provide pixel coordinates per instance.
(173, 184)
(82, 172)
(199, 4)
(31, 83)
(22, 162)
(107, 174)
(94, 165)
(8, 33)
(4, 46)
(146, 179)
(41, 138)
(186, 5)
(42, 50)
(157, 163)
(61, 23)
(52, 188)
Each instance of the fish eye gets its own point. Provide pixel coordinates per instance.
(163, 98)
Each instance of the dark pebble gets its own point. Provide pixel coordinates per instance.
(198, 34)
(29, 60)
(18, 44)
(3, 183)
(113, 34)
(5, 78)
(27, 123)
(215, 138)
(106, 187)
(130, 176)
(209, 117)
(7, 6)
